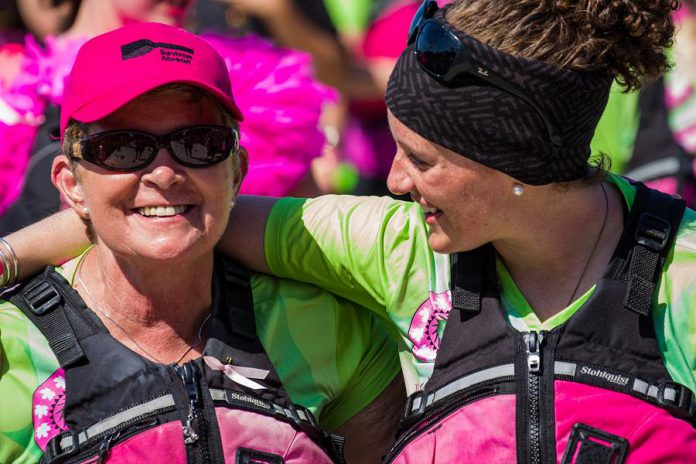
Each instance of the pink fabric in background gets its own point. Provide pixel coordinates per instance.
(681, 13)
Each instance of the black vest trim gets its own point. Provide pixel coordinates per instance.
(106, 405)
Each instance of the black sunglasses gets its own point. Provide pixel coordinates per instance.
(128, 150)
(443, 55)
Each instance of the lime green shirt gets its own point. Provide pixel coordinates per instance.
(375, 251)
(332, 357)
(616, 131)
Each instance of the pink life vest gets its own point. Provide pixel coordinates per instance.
(120, 407)
(591, 391)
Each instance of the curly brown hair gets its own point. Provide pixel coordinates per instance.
(625, 39)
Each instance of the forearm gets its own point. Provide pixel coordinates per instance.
(370, 434)
(243, 239)
(327, 53)
(50, 241)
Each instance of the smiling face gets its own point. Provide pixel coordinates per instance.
(164, 211)
(170, 12)
(465, 203)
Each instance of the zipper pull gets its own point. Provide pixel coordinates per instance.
(534, 340)
(106, 446)
(190, 435)
(187, 373)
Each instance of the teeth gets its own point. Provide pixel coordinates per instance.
(162, 211)
(429, 210)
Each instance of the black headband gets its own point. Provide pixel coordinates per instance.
(497, 129)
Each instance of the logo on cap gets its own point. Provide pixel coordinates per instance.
(168, 52)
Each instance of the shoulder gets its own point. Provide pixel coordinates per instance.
(26, 361)
(373, 212)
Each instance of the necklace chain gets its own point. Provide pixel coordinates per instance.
(199, 338)
(594, 248)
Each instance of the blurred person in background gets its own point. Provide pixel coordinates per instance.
(650, 135)
(354, 46)
(275, 87)
(43, 18)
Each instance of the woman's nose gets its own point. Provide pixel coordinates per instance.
(399, 182)
(164, 171)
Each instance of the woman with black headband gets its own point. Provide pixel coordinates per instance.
(545, 305)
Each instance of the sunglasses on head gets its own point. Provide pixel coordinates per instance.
(129, 150)
(442, 54)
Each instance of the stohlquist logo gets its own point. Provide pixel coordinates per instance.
(609, 377)
(249, 399)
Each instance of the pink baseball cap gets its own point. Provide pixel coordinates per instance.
(114, 68)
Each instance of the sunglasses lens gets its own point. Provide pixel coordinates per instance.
(123, 151)
(416, 22)
(424, 12)
(203, 146)
(436, 48)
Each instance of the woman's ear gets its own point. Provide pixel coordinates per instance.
(243, 168)
(67, 182)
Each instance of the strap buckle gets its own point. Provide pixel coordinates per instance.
(56, 452)
(652, 232)
(305, 417)
(42, 297)
(678, 399)
(415, 406)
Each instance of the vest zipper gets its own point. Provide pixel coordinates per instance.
(107, 442)
(195, 426)
(106, 446)
(434, 415)
(534, 341)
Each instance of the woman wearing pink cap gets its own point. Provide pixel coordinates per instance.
(546, 307)
(149, 347)
(274, 87)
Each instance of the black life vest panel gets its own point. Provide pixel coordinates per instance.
(593, 390)
(121, 407)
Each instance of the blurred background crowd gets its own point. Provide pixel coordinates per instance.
(353, 46)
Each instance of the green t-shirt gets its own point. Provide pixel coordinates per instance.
(332, 357)
(616, 131)
(375, 251)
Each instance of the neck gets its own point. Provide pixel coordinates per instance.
(553, 256)
(93, 18)
(161, 306)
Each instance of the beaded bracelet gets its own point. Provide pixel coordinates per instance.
(9, 264)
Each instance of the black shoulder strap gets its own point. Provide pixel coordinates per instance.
(237, 299)
(54, 307)
(234, 325)
(466, 280)
(654, 231)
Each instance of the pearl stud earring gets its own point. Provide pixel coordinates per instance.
(518, 190)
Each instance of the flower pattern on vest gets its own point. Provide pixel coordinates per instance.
(47, 406)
